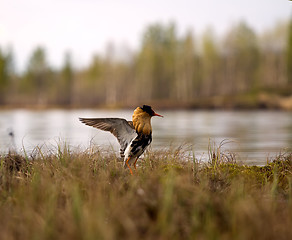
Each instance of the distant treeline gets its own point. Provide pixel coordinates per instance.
(168, 68)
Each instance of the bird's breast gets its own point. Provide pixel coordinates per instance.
(141, 122)
(143, 128)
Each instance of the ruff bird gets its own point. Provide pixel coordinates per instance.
(133, 136)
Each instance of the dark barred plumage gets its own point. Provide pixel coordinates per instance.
(133, 136)
(136, 148)
(140, 143)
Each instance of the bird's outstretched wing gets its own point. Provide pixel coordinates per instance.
(122, 129)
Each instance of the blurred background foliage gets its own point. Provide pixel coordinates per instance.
(242, 69)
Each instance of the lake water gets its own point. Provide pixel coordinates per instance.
(254, 136)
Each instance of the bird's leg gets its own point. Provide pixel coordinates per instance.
(129, 166)
(135, 163)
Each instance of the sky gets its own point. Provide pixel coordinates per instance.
(85, 27)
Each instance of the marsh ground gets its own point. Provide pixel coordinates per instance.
(88, 195)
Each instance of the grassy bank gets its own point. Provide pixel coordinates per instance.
(88, 195)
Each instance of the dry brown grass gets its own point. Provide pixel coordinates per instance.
(88, 195)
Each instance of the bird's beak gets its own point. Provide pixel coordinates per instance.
(158, 115)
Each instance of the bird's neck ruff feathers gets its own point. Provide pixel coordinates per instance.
(141, 121)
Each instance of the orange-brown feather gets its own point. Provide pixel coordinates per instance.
(141, 121)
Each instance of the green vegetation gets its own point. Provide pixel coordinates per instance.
(88, 195)
(241, 69)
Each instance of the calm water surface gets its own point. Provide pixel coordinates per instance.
(254, 135)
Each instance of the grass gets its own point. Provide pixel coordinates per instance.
(88, 195)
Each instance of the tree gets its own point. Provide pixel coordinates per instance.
(289, 53)
(3, 76)
(93, 84)
(67, 75)
(185, 82)
(156, 61)
(242, 57)
(210, 64)
(274, 57)
(6, 73)
(37, 75)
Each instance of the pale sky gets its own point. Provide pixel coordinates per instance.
(84, 27)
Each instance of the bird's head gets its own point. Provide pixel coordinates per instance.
(141, 119)
(149, 110)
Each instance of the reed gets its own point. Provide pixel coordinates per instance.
(89, 195)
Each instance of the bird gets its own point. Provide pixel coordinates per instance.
(12, 145)
(133, 136)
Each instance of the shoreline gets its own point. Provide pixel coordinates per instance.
(233, 103)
